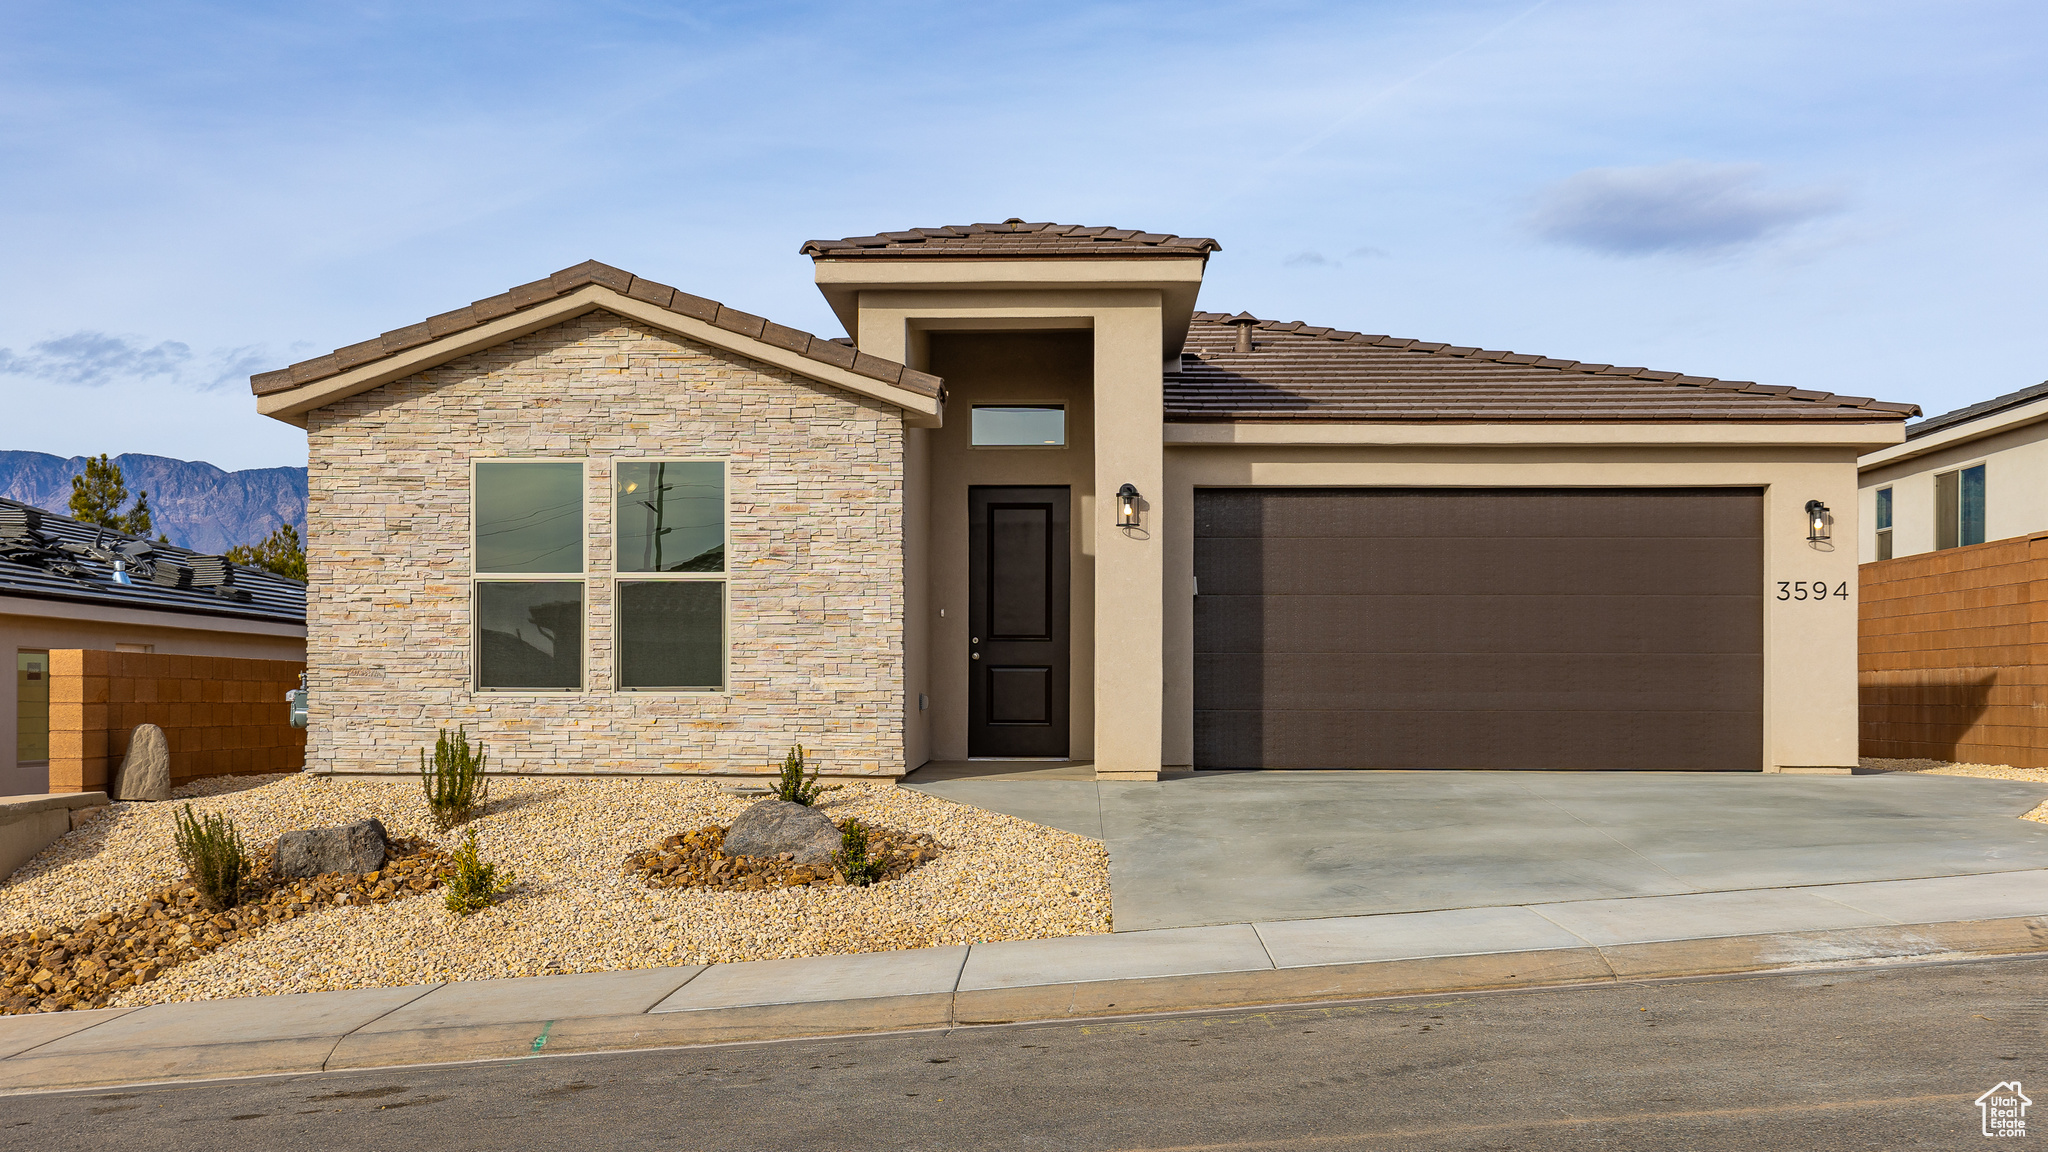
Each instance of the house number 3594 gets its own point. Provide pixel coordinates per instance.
(1810, 590)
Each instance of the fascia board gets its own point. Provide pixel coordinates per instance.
(292, 405)
(951, 275)
(37, 608)
(1831, 435)
(1963, 433)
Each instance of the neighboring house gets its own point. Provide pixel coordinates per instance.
(1955, 554)
(1042, 506)
(70, 585)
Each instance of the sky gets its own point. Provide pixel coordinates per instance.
(1840, 196)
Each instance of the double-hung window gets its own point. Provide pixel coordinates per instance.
(1959, 507)
(669, 583)
(527, 569)
(1884, 523)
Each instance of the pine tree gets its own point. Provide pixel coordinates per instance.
(98, 493)
(279, 552)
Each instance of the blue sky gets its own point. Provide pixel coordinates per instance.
(1838, 196)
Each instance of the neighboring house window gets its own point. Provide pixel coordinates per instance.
(1959, 507)
(669, 519)
(1884, 523)
(1019, 426)
(527, 519)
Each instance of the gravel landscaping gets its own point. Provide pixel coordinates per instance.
(1947, 768)
(574, 905)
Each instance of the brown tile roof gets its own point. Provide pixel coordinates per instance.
(818, 348)
(1011, 239)
(1298, 373)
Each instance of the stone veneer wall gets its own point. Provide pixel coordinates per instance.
(814, 559)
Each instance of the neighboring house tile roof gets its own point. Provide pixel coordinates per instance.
(818, 348)
(1013, 238)
(1989, 407)
(1299, 374)
(50, 557)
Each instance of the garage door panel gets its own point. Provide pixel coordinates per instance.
(1472, 566)
(1684, 741)
(1517, 628)
(1630, 514)
(1440, 682)
(1324, 624)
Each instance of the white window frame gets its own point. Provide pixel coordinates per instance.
(581, 576)
(1066, 425)
(723, 577)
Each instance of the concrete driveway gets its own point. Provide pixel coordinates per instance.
(1235, 847)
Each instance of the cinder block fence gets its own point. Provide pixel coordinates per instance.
(1952, 652)
(222, 715)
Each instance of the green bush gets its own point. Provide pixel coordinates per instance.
(212, 852)
(455, 785)
(852, 856)
(794, 786)
(473, 884)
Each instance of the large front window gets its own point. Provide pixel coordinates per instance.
(669, 555)
(528, 534)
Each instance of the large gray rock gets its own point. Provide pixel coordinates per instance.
(146, 771)
(773, 827)
(357, 847)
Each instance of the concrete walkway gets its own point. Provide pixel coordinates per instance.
(1223, 848)
(1272, 961)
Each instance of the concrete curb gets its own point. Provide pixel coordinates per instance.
(932, 989)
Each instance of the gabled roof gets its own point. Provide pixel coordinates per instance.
(1012, 239)
(1301, 374)
(50, 557)
(1977, 411)
(540, 293)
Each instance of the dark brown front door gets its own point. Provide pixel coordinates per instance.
(1479, 628)
(1018, 577)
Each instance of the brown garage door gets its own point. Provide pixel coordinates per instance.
(1479, 628)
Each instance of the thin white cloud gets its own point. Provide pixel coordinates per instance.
(92, 359)
(1683, 206)
(1310, 260)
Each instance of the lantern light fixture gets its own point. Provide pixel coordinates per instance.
(1816, 522)
(1127, 506)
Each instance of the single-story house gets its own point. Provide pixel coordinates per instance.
(71, 586)
(1955, 579)
(1042, 505)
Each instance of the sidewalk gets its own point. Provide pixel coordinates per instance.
(1231, 965)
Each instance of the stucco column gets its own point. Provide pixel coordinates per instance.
(1128, 611)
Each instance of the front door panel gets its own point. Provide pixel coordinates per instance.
(1018, 579)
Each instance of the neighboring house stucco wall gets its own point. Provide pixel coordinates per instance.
(2015, 490)
(814, 559)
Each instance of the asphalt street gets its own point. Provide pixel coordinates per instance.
(1889, 1058)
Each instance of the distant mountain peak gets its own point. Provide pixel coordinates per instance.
(197, 505)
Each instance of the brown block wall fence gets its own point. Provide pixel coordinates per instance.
(1950, 654)
(223, 716)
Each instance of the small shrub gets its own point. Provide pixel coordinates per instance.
(455, 785)
(852, 856)
(794, 786)
(212, 852)
(473, 884)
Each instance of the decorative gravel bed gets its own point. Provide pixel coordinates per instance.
(693, 860)
(574, 907)
(1948, 768)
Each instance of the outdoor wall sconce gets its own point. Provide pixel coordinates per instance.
(1127, 506)
(1816, 522)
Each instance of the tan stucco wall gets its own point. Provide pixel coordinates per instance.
(1000, 368)
(1809, 649)
(2015, 490)
(814, 559)
(52, 624)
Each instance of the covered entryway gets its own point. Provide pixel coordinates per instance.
(1505, 628)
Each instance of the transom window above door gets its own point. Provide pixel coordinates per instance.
(1019, 426)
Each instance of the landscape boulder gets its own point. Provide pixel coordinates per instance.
(773, 827)
(146, 771)
(357, 847)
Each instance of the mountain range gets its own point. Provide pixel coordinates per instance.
(194, 503)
